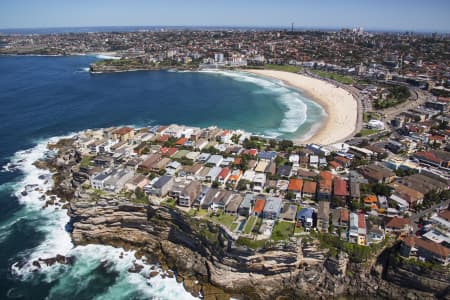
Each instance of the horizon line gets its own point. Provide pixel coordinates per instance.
(317, 28)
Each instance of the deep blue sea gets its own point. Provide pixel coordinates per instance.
(45, 97)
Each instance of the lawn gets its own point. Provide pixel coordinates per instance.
(337, 77)
(249, 225)
(298, 230)
(366, 132)
(285, 68)
(254, 244)
(224, 219)
(85, 161)
(170, 202)
(282, 230)
(367, 116)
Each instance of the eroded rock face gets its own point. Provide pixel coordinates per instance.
(210, 264)
(174, 240)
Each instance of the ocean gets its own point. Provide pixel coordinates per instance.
(43, 98)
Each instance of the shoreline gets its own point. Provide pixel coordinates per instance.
(340, 106)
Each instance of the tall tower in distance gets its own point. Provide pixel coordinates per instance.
(292, 27)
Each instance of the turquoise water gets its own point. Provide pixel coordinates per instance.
(44, 97)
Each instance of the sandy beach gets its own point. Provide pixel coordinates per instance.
(340, 106)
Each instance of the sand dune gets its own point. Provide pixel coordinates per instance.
(340, 106)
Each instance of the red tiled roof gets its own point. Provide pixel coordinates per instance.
(163, 138)
(398, 223)
(309, 187)
(237, 161)
(295, 185)
(344, 215)
(370, 199)
(413, 241)
(259, 206)
(123, 130)
(253, 152)
(181, 141)
(340, 187)
(428, 156)
(224, 173)
(171, 151)
(361, 221)
(334, 164)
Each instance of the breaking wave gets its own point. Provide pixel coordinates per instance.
(294, 103)
(98, 271)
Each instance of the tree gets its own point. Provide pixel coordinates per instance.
(215, 184)
(382, 189)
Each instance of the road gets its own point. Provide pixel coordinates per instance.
(415, 217)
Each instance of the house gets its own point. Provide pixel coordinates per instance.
(374, 234)
(173, 167)
(98, 181)
(203, 157)
(412, 196)
(248, 175)
(296, 187)
(220, 199)
(213, 174)
(267, 155)
(123, 134)
(233, 204)
(160, 165)
(434, 158)
(355, 192)
(246, 205)
(377, 174)
(314, 161)
(261, 166)
(371, 201)
(288, 212)
(284, 171)
(259, 207)
(259, 182)
(272, 208)
(215, 160)
(235, 176)
(224, 175)
(271, 168)
(325, 184)
(357, 229)
(162, 186)
(189, 194)
(117, 179)
(398, 225)
(429, 250)
(309, 189)
(340, 217)
(147, 164)
(340, 188)
(323, 216)
(305, 216)
(138, 181)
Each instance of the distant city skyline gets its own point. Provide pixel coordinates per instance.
(401, 15)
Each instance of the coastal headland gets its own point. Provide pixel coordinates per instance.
(199, 248)
(341, 107)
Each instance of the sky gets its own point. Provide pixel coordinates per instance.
(404, 15)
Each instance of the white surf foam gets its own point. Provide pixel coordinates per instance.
(57, 241)
(103, 56)
(294, 103)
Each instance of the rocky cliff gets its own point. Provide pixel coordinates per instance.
(205, 258)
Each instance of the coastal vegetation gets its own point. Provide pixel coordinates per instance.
(334, 76)
(397, 95)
